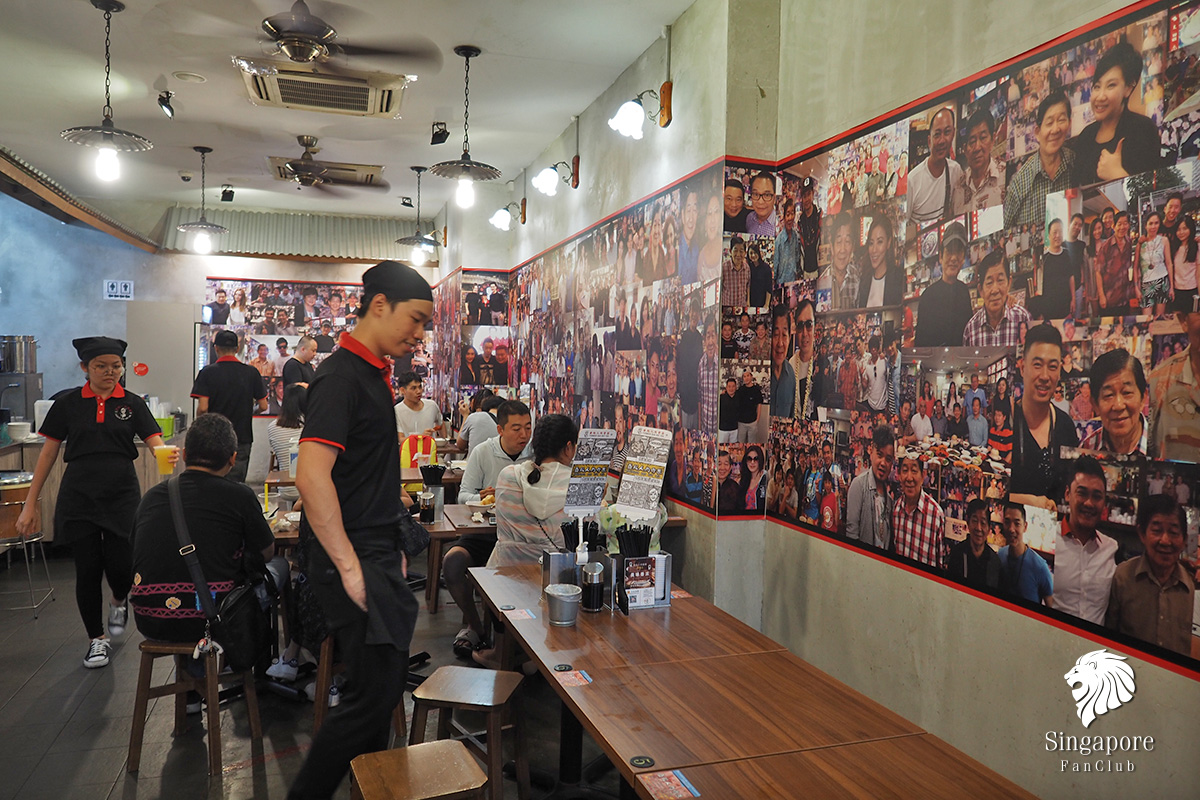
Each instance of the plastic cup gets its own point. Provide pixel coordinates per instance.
(163, 454)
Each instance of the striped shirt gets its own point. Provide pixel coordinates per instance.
(921, 534)
(1001, 439)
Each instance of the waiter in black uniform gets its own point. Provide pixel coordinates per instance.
(99, 493)
(349, 477)
(232, 389)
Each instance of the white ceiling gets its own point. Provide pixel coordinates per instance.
(542, 62)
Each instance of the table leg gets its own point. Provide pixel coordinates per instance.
(433, 578)
(570, 763)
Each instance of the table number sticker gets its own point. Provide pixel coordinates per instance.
(575, 677)
(679, 594)
(519, 613)
(668, 785)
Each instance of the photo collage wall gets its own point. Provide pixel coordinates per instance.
(983, 333)
(269, 318)
(621, 327)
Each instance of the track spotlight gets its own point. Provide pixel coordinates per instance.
(164, 102)
(406, 202)
(226, 193)
(440, 134)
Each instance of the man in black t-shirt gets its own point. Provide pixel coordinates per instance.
(233, 390)
(749, 402)
(324, 339)
(224, 521)
(299, 368)
(945, 307)
(218, 309)
(349, 476)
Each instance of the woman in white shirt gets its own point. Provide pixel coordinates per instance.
(530, 496)
(284, 431)
(1183, 276)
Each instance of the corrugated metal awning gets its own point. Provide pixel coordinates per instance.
(282, 233)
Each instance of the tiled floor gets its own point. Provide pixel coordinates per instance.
(64, 730)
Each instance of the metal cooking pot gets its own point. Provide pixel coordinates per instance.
(18, 354)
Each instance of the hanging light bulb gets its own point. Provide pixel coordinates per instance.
(202, 243)
(502, 219)
(465, 196)
(418, 256)
(422, 246)
(202, 231)
(108, 166)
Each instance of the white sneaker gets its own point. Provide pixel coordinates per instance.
(97, 654)
(118, 616)
(335, 696)
(283, 670)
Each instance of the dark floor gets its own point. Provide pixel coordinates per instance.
(64, 730)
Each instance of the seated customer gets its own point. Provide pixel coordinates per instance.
(530, 496)
(480, 425)
(226, 525)
(511, 446)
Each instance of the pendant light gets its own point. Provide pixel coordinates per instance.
(463, 169)
(202, 230)
(422, 246)
(106, 136)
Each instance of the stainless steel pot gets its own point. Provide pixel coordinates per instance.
(18, 354)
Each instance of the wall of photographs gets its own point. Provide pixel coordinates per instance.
(619, 327)
(1007, 278)
(269, 318)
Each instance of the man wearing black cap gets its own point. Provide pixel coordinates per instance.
(98, 497)
(808, 222)
(232, 389)
(324, 339)
(945, 307)
(349, 476)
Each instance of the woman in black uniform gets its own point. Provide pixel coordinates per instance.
(99, 492)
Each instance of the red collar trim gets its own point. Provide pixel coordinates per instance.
(229, 358)
(118, 391)
(348, 342)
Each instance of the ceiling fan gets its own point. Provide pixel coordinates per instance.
(304, 38)
(323, 175)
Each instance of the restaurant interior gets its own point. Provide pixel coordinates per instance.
(238, 166)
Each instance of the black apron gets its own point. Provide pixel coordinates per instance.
(101, 489)
(391, 607)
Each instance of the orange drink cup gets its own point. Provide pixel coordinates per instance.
(163, 455)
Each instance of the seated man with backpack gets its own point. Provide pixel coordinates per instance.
(225, 524)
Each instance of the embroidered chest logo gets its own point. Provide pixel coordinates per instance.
(123, 413)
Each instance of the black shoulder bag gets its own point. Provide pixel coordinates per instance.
(241, 625)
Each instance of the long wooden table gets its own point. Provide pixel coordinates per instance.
(281, 477)
(690, 688)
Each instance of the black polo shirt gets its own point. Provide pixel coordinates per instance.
(224, 520)
(93, 426)
(232, 389)
(350, 408)
(296, 371)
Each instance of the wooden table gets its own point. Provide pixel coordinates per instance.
(281, 477)
(911, 766)
(699, 691)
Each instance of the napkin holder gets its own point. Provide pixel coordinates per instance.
(561, 568)
(655, 568)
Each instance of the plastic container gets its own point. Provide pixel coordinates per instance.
(562, 604)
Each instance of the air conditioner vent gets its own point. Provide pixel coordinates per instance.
(364, 94)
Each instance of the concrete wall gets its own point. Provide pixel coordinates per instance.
(617, 171)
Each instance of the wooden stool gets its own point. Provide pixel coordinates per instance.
(488, 691)
(441, 770)
(208, 687)
(326, 669)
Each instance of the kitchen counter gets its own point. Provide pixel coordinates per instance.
(24, 456)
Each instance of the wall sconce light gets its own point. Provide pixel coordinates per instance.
(547, 180)
(503, 217)
(226, 193)
(164, 102)
(633, 113)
